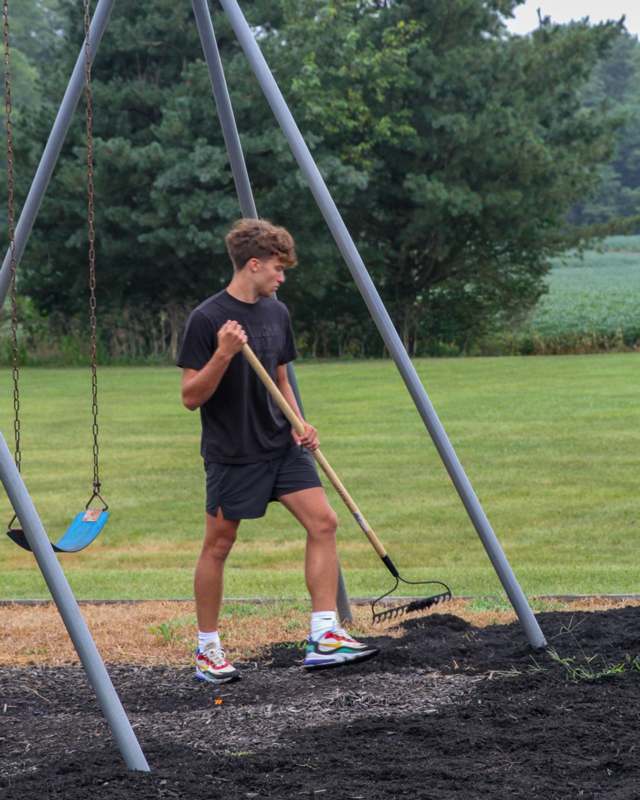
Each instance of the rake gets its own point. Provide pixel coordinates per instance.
(379, 615)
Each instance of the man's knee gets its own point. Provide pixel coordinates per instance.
(325, 524)
(219, 538)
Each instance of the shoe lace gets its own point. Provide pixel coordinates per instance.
(215, 654)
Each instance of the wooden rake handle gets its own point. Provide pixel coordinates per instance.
(328, 470)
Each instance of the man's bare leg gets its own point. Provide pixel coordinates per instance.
(311, 508)
(328, 644)
(219, 536)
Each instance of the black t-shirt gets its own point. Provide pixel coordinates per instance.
(240, 421)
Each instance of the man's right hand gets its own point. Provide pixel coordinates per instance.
(231, 337)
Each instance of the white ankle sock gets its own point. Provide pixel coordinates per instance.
(205, 638)
(321, 623)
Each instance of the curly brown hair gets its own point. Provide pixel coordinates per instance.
(259, 238)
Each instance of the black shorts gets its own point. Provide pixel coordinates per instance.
(243, 491)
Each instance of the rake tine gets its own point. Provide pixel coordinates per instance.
(414, 605)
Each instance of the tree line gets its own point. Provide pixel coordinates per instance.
(462, 158)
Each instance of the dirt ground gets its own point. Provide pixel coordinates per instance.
(456, 706)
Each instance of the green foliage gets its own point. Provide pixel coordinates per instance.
(453, 149)
(591, 668)
(615, 86)
(470, 158)
(591, 306)
(33, 25)
(593, 294)
(592, 303)
(621, 244)
(177, 629)
(32, 36)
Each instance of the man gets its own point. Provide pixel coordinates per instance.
(252, 456)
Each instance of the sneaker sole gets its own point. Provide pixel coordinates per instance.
(199, 676)
(357, 659)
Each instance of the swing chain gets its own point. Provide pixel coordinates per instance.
(11, 230)
(92, 242)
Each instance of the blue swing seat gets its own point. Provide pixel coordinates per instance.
(83, 530)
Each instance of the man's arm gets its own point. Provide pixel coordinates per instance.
(310, 439)
(198, 385)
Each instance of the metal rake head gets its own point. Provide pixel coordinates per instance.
(413, 605)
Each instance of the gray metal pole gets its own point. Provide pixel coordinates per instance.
(70, 612)
(53, 147)
(243, 186)
(342, 600)
(225, 110)
(383, 322)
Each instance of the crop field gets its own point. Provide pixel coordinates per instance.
(595, 296)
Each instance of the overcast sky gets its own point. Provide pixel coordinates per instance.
(565, 10)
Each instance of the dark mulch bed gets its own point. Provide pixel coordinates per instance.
(447, 711)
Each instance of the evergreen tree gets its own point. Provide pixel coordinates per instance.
(615, 86)
(452, 148)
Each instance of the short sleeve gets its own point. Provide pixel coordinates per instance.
(288, 352)
(199, 342)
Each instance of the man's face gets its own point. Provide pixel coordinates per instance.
(268, 274)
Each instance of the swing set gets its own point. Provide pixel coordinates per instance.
(87, 524)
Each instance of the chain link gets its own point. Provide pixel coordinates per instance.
(92, 242)
(11, 231)
(91, 237)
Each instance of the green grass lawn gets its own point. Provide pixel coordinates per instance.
(550, 445)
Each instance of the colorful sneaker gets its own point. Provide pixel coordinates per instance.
(212, 666)
(334, 649)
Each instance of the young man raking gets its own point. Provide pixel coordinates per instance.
(251, 454)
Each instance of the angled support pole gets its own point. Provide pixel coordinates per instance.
(383, 322)
(243, 187)
(54, 144)
(70, 613)
(224, 108)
